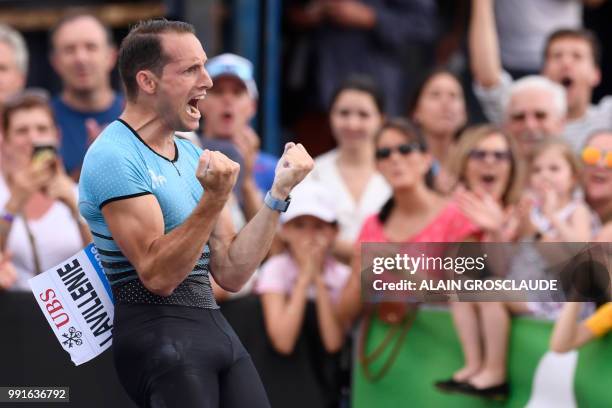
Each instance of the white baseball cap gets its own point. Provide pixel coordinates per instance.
(310, 198)
(235, 66)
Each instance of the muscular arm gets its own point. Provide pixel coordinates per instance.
(162, 261)
(235, 257)
(485, 60)
(252, 198)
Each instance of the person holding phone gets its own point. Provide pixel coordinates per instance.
(39, 220)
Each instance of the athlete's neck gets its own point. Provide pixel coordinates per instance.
(96, 100)
(150, 127)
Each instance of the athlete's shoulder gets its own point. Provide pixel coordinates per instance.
(113, 147)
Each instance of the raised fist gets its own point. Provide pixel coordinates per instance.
(293, 166)
(217, 173)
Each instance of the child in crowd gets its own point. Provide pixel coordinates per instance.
(304, 272)
(558, 213)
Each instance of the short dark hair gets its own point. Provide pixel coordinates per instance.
(28, 99)
(579, 33)
(76, 14)
(142, 49)
(361, 83)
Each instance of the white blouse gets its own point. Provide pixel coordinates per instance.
(351, 214)
(56, 236)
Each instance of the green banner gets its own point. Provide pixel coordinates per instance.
(431, 351)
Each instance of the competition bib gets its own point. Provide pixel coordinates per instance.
(76, 299)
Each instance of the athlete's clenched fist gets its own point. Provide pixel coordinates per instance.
(217, 173)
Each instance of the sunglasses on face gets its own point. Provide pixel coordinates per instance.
(592, 156)
(403, 149)
(497, 155)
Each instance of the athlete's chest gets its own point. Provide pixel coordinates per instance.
(176, 188)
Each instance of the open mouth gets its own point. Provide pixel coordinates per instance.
(488, 180)
(192, 107)
(598, 179)
(227, 116)
(566, 82)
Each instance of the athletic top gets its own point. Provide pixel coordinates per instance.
(120, 165)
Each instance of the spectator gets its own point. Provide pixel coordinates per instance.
(571, 58)
(414, 213)
(438, 108)
(40, 224)
(569, 335)
(304, 272)
(487, 163)
(362, 36)
(524, 25)
(535, 109)
(490, 174)
(597, 180)
(227, 110)
(13, 63)
(83, 55)
(349, 171)
(558, 214)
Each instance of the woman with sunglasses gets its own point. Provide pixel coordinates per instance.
(490, 180)
(438, 108)
(414, 213)
(39, 221)
(597, 179)
(349, 171)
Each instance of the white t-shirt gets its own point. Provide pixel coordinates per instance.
(524, 25)
(576, 132)
(351, 214)
(56, 236)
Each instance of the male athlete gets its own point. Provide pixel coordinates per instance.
(156, 206)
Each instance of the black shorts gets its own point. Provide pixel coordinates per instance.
(180, 356)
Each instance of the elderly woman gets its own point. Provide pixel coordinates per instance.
(40, 225)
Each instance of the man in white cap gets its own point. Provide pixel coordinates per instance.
(229, 108)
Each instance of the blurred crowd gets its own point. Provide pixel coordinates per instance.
(406, 166)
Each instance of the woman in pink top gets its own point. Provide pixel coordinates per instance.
(414, 213)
